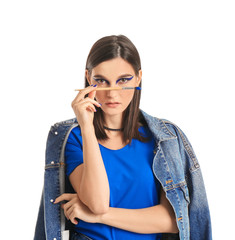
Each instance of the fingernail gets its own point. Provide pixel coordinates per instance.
(94, 85)
(100, 104)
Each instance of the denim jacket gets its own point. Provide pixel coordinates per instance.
(174, 165)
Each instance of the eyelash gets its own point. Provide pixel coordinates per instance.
(121, 79)
(100, 81)
(124, 80)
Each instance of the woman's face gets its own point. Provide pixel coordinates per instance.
(114, 73)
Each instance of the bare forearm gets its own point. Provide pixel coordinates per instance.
(94, 187)
(154, 219)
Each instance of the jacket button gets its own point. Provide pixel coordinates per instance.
(56, 133)
(51, 200)
(52, 162)
(54, 238)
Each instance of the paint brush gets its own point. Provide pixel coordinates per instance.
(112, 88)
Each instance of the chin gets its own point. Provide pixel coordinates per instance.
(113, 111)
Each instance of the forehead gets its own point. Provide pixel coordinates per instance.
(113, 68)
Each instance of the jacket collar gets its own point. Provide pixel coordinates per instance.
(158, 127)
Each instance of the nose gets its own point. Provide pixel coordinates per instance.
(112, 93)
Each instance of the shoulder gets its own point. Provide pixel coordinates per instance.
(172, 127)
(61, 128)
(66, 122)
(64, 130)
(164, 129)
(161, 124)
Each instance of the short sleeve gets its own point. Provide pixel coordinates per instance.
(73, 151)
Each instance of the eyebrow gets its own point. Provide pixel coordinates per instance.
(121, 76)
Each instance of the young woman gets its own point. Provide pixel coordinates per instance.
(128, 169)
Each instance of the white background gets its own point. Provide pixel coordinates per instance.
(188, 57)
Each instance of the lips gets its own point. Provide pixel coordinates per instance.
(112, 104)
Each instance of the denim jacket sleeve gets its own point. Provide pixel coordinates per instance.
(199, 215)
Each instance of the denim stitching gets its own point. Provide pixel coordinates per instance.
(55, 165)
(187, 146)
(170, 187)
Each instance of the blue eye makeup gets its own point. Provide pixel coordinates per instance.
(122, 80)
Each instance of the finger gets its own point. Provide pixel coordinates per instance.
(74, 221)
(88, 100)
(65, 196)
(78, 103)
(91, 109)
(84, 92)
(68, 207)
(65, 213)
(92, 94)
(73, 218)
(88, 106)
(82, 103)
(70, 211)
(60, 198)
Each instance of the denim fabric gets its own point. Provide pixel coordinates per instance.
(175, 165)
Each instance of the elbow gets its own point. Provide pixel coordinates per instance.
(170, 225)
(173, 226)
(99, 209)
(169, 221)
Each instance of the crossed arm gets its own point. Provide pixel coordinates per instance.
(156, 219)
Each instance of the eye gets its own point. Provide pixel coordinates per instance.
(124, 80)
(101, 81)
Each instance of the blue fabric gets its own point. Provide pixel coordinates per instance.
(131, 180)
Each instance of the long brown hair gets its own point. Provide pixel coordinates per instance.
(108, 48)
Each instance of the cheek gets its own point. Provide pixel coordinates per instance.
(99, 96)
(127, 96)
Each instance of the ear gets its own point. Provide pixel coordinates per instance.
(139, 78)
(88, 76)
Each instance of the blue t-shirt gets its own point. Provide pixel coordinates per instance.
(131, 181)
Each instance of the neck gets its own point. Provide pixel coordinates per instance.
(114, 121)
